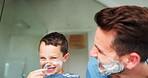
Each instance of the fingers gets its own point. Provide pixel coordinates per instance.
(37, 74)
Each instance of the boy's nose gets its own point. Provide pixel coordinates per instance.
(48, 62)
(93, 52)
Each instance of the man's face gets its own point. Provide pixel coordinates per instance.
(52, 57)
(102, 49)
(109, 61)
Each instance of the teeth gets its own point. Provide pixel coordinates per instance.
(50, 68)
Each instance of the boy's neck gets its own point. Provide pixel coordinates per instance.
(61, 71)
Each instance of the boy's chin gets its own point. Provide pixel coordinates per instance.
(47, 73)
(50, 72)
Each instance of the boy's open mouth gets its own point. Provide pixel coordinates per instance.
(50, 69)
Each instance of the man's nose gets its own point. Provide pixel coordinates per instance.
(93, 52)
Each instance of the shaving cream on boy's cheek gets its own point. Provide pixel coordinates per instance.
(60, 63)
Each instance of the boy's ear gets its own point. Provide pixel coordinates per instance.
(66, 57)
(132, 60)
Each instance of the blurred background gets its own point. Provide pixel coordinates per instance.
(24, 22)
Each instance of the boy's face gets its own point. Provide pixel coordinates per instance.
(52, 57)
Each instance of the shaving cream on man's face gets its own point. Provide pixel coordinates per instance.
(92, 69)
(112, 68)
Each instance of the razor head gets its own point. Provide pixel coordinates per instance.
(45, 66)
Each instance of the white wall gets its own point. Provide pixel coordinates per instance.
(78, 60)
(90, 37)
(30, 18)
(66, 15)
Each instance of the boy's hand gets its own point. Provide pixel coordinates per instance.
(37, 74)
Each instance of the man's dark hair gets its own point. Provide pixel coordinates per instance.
(55, 39)
(131, 26)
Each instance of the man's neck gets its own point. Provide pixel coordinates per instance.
(140, 71)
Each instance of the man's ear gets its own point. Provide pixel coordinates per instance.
(132, 60)
(66, 57)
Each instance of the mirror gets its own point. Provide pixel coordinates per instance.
(20, 32)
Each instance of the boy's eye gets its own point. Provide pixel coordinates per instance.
(42, 58)
(53, 57)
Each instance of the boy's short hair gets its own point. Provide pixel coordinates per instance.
(55, 39)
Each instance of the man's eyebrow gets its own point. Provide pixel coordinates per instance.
(99, 49)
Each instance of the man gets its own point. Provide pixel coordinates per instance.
(121, 43)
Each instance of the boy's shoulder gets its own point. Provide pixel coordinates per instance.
(70, 75)
(63, 75)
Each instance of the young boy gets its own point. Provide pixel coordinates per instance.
(53, 50)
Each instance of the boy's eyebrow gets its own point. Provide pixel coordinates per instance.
(99, 49)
